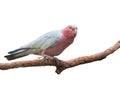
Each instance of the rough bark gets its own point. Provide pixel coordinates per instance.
(62, 64)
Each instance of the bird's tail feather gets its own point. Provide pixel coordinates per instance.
(16, 51)
(16, 54)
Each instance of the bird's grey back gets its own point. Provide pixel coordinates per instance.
(45, 41)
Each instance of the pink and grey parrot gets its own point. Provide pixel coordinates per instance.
(50, 44)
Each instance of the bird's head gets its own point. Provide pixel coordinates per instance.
(70, 31)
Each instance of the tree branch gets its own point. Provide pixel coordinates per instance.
(63, 64)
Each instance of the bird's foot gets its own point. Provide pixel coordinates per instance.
(46, 58)
(56, 60)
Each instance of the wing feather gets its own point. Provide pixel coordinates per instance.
(47, 40)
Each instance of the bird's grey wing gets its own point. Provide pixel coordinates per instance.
(43, 42)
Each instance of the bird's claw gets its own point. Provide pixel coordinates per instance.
(46, 59)
(56, 60)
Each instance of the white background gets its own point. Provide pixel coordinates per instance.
(98, 22)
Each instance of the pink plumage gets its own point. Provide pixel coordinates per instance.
(67, 38)
(51, 44)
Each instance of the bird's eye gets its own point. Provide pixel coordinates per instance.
(71, 28)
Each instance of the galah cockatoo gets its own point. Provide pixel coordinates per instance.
(50, 44)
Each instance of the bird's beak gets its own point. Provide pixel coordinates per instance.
(75, 29)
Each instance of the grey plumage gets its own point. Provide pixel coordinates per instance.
(41, 43)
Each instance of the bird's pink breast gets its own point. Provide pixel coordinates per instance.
(59, 47)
